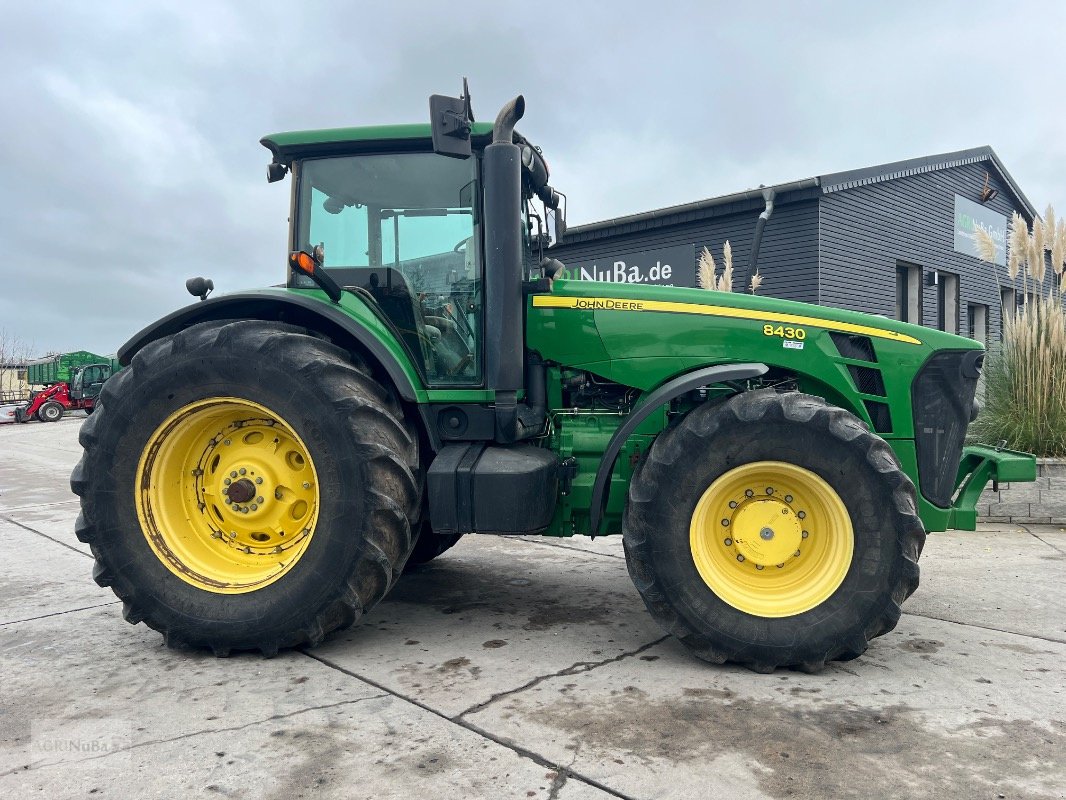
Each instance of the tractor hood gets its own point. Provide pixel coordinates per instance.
(641, 335)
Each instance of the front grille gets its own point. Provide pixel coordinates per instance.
(942, 398)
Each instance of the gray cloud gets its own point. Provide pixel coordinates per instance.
(130, 131)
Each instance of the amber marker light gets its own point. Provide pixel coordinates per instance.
(305, 263)
(302, 262)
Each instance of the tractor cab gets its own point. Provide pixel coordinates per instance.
(441, 227)
(87, 381)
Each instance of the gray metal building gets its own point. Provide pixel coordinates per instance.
(895, 239)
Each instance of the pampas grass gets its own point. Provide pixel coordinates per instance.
(1025, 390)
(707, 269)
(706, 273)
(986, 246)
(725, 283)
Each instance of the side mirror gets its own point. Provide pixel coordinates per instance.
(560, 218)
(200, 287)
(451, 121)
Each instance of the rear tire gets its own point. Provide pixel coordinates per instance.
(50, 412)
(706, 511)
(430, 545)
(343, 430)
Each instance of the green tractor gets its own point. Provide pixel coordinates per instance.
(270, 462)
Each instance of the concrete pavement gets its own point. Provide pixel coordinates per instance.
(520, 667)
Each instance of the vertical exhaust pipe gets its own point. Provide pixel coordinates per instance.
(504, 320)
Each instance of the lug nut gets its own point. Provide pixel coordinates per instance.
(233, 473)
(227, 442)
(732, 503)
(740, 558)
(228, 501)
(779, 566)
(216, 535)
(801, 514)
(259, 500)
(307, 485)
(728, 542)
(254, 506)
(797, 552)
(233, 534)
(259, 480)
(788, 498)
(277, 494)
(758, 566)
(749, 493)
(805, 534)
(769, 489)
(243, 471)
(725, 523)
(227, 481)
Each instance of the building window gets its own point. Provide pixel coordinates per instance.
(1008, 305)
(909, 293)
(977, 315)
(947, 302)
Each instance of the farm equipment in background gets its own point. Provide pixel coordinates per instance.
(271, 461)
(79, 394)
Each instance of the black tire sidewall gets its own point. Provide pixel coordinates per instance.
(133, 414)
(868, 585)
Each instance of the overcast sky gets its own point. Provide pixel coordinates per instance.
(129, 140)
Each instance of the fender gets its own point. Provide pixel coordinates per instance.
(670, 390)
(281, 305)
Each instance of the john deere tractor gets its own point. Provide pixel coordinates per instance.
(270, 462)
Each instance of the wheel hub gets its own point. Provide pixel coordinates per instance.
(766, 532)
(240, 492)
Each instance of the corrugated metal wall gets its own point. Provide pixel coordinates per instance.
(865, 231)
(788, 257)
(838, 248)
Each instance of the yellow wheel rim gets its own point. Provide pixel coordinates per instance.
(771, 539)
(227, 495)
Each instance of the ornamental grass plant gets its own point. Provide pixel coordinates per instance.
(1025, 378)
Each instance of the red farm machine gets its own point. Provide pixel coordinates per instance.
(71, 382)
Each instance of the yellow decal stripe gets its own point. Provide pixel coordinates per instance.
(623, 304)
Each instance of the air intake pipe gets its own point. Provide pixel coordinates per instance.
(504, 320)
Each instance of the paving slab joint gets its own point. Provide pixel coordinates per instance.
(574, 669)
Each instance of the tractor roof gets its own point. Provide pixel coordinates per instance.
(293, 144)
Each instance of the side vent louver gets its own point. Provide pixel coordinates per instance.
(867, 380)
(852, 346)
(879, 416)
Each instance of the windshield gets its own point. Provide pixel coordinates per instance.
(403, 227)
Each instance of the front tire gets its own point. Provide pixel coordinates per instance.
(50, 412)
(773, 530)
(246, 485)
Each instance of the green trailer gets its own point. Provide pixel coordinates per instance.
(59, 368)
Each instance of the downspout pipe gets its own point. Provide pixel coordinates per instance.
(756, 242)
